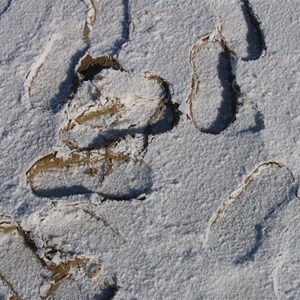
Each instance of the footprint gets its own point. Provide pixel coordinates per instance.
(214, 92)
(213, 99)
(80, 221)
(286, 272)
(106, 104)
(241, 28)
(49, 80)
(236, 230)
(5, 291)
(112, 176)
(248, 118)
(111, 29)
(77, 276)
(110, 115)
(18, 263)
(42, 278)
(86, 287)
(4, 6)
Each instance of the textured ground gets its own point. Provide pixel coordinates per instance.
(149, 149)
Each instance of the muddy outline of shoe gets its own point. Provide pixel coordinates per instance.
(253, 25)
(165, 117)
(228, 82)
(57, 273)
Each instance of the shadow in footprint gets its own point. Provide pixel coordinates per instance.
(259, 228)
(255, 37)
(90, 67)
(236, 230)
(69, 85)
(110, 136)
(62, 191)
(65, 191)
(107, 124)
(167, 114)
(5, 7)
(249, 256)
(259, 124)
(125, 34)
(108, 293)
(228, 106)
(168, 118)
(214, 94)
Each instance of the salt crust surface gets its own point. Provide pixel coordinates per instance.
(221, 216)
